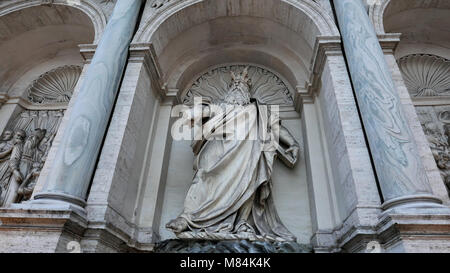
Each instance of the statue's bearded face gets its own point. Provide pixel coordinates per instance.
(239, 92)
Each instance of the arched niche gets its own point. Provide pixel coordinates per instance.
(428, 33)
(36, 38)
(194, 38)
(40, 64)
(191, 36)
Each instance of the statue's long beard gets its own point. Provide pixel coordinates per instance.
(237, 96)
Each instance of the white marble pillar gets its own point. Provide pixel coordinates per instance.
(398, 165)
(73, 167)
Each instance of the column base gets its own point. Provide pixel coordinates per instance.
(413, 201)
(53, 200)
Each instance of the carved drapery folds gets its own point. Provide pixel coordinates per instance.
(26, 141)
(266, 87)
(426, 75)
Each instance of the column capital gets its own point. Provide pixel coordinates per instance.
(144, 53)
(389, 42)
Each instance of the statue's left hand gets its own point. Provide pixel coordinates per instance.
(293, 150)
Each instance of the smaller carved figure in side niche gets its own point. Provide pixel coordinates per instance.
(443, 163)
(6, 145)
(30, 150)
(435, 139)
(447, 133)
(14, 168)
(6, 140)
(27, 187)
(30, 164)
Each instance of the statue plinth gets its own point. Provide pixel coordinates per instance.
(229, 246)
(217, 236)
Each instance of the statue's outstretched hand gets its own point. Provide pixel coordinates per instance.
(293, 151)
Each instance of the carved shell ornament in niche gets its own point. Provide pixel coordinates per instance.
(265, 87)
(55, 86)
(426, 75)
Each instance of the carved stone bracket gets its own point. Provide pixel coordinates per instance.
(145, 53)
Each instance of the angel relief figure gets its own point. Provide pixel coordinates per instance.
(231, 193)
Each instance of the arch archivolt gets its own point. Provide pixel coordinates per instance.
(376, 14)
(317, 16)
(192, 36)
(89, 7)
(385, 8)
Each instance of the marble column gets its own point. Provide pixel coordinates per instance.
(400, 171)
(75, 161)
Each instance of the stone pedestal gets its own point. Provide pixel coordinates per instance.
(425, 230)
(37, 230)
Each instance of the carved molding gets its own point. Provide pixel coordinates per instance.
(426, 75)
(266, 87)
(55, 86)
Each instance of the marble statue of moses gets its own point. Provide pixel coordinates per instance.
(230, 196)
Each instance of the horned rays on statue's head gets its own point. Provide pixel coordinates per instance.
(239, 91)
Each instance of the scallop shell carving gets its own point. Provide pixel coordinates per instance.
(426, 75)
(266, 87)
(55, 86)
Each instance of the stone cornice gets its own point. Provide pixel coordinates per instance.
(145, 53)
(87, 51)
(325, 46)
(431, 101)
(389, 41)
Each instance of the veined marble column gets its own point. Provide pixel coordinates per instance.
(397, 162)
(77, 154)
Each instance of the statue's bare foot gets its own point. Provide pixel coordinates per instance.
(245, 227)
(177, 225)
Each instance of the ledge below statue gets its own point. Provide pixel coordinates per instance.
(229, 246)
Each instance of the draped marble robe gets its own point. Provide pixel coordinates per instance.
(231, 191)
